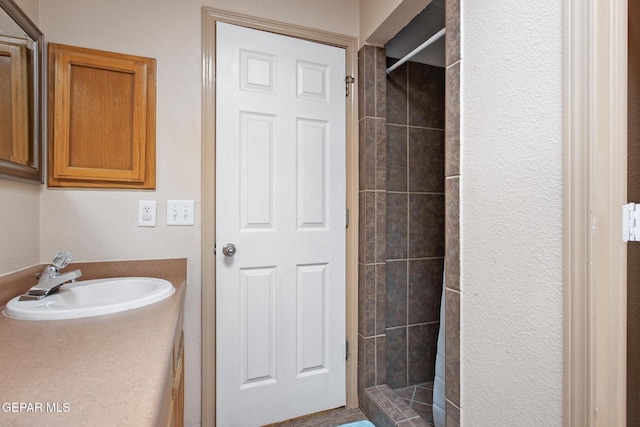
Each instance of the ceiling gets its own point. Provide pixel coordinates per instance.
(424, 25)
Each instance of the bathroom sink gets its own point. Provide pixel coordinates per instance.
(89, 298)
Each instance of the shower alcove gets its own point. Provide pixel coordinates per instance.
(402, 232)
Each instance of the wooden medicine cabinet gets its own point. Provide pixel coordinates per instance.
(102, 108)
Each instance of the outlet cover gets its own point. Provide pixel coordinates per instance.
(180, 212)
(146, 213)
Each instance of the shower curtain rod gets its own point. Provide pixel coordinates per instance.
(415, 51)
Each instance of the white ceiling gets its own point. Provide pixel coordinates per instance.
(424, 25)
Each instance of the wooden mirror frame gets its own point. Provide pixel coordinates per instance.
(15, 170)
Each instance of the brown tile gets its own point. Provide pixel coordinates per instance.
(426, 91)
(397, 357)
(381, 226)
(360, 83)
(452, 119)
(396, 158)
(330, 418)
(381, 154)
(366, 362)
(453, 31)
(381, 299)
(405, 423)
(425, 290)
(406, 393)
(452, 347)
(426, 225)
(398, 402)
(397, 210)
(421, 352)
(420, 422)
(381, 359)
(367, 153)
(288, 423)
(426, 160)
(381, 82)
(452, 415)
(382, 400)
(425, 411)
(374, 411)
(362, 299)
(370, 227)
(452, 234)
(396, 293)
(397, 94)
(369, 305)
(362, 232)
(369, 93)
(423, 395)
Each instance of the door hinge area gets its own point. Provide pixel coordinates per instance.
(631, 222)
(346, 352)
(347, 217)
(349, 80)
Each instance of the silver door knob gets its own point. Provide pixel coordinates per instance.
(229, 249)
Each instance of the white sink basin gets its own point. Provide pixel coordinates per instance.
(92, 298)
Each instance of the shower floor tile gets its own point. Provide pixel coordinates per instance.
(332, 418)
(420, 398)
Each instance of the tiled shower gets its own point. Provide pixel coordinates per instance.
(402, 235)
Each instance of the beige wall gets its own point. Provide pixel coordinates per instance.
(101, 225)
(380, 20)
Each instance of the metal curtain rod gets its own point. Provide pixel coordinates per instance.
(415, 51)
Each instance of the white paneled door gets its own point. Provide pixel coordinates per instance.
(280, 201)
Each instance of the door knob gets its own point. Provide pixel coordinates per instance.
(229, 249)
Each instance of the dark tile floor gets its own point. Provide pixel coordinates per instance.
(420, 399)
(331, 418)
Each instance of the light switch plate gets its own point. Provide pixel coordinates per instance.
(146, 213)
(180, 212)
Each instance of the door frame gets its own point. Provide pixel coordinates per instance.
(595, 183)
(209, 18)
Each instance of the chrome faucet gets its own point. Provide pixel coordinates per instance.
(50, 279)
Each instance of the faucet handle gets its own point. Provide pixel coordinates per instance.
(62, 259)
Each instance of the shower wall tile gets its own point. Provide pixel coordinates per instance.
(381, 299)
(369, 61)
(426, 160)
(368, 359)
(381, 82)
(397, 94)
(396, 158)
(381, 226)
(452, 23)
(452, 232)
(397, 357)
(368, 304)
(426, 225)
(396, 304)
(367, 226)
(452, 112)
(367, 153)
(397, 210)
(425, 290)
(452, 415)
(381, 154)
(421, 352)
(425, 96)
(381, 360)
(452, 347)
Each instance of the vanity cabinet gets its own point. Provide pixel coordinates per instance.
(102, 124)
(176, 403)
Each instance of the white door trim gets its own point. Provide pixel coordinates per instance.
(595, 166)
(209, 18)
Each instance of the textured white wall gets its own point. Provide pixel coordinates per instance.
(511, 213)
(101, 225)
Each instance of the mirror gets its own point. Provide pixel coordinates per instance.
(21, 94)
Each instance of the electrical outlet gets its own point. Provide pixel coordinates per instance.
(146, 213)
(180, 212)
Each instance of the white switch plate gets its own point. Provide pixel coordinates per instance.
(146, 213)
(180, 212)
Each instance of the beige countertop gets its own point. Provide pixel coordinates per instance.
(107, 370)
